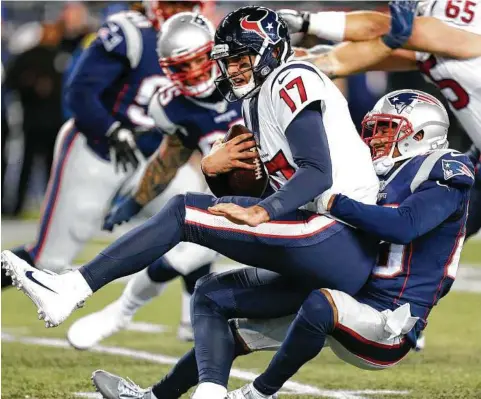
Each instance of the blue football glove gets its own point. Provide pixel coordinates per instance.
(402, 19)
(122, 211)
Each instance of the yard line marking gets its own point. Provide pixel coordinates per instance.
(140, 326)
(290, 386)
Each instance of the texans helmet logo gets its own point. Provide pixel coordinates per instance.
(401, 101)
(266, 26)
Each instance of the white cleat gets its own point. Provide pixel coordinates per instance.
(56, 296)
(90, 330)
(248, 392)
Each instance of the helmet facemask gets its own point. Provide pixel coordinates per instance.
(186, 68)
(384, 133)
(259, 66)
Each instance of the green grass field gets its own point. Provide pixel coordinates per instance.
(449, 367)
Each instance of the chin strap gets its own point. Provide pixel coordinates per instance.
(383, 165)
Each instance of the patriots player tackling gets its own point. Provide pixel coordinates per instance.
(421, 218)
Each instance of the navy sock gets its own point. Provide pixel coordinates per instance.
(215, 343)
(184, 374)
(304, 340)
(161, 271)
(138, 248)
(191, 278)
(179, 380)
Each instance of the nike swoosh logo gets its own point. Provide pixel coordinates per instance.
(457, 154)
(282, 80)
(30, 277)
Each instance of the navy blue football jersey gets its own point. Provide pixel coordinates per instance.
(114, 81)
(424, 270)
(198, 122)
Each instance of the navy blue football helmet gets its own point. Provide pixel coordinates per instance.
(256, 31)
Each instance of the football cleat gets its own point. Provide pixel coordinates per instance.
(111, 386)
(56, 296)
(249, 392)
(90, 330)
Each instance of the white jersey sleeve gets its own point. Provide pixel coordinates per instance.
(294, 88)
(458, 80)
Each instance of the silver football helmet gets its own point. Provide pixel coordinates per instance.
(403, 124)
(183, 47)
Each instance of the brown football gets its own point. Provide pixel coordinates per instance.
(245, 182)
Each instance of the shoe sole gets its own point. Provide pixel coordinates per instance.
(95, 385)
(17, 274)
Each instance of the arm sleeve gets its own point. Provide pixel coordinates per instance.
(308, 142)
(421, 212)
(99, 66)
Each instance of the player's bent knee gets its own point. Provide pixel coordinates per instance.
(211, 293)
(317, 313)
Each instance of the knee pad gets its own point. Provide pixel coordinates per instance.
(317, 313)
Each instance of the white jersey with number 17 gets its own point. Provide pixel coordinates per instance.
(285, 93)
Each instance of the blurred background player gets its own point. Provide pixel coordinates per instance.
(194, 115)
(445, 46)
(108, 94)
(39, 55)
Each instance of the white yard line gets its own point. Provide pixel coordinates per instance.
(290, 387)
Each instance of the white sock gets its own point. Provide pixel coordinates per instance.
(185, 311)
(209, 390)
(80, 284)
(139, 291)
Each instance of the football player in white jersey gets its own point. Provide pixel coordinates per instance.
(311, 150)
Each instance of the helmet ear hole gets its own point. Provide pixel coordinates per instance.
(419, 135)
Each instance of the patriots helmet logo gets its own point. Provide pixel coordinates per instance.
(453, 168)
(401, 101)
(266, 26)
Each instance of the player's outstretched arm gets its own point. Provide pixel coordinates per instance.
(338, 26)
(433, 36)
(159, 172)
(353, 57)
(445, 194)
(162, 168)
